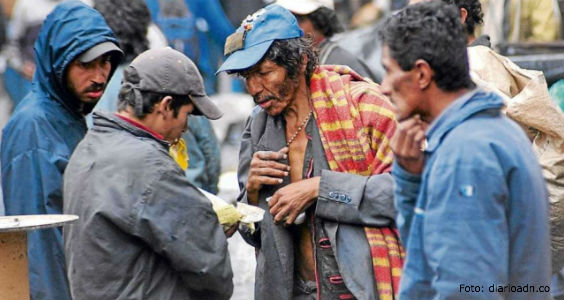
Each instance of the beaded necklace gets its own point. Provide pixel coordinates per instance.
(304, 123)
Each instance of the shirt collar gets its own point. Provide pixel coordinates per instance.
(140, 126)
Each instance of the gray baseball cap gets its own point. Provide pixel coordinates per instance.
(168, 71)
(98, 50)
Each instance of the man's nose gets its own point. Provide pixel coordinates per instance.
(385, 87)
(254, 86)
(101, 72)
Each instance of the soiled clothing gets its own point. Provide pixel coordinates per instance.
(145, 231)
(41, 135)
(478, 214)
(370, 204)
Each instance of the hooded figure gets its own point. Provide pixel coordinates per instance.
(48, 124)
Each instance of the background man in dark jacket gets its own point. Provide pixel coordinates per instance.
(145, 231)
(318, 19)
(75, 55)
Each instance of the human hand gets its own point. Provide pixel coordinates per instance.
(407, 144)
(265, 169)
(288, 202)
(229, 232)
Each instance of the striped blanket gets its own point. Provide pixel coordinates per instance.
(356, 123)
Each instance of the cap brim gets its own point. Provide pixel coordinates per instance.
(98, 50)
(204, 106)
(245, 58)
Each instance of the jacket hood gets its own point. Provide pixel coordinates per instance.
(69, 30)
(471, 103)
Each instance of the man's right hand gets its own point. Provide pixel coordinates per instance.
(407, 144)
(265, 169)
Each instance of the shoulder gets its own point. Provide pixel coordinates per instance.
(128, 149)
(34, 124)
(485, 140)
(123, 154)
(370, 99)
(486, 127)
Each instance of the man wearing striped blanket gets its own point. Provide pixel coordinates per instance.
(315, 154)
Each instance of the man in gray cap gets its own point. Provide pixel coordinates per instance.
(137, 209)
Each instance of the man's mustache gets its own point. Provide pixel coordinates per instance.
(258, 99)
(95, 87)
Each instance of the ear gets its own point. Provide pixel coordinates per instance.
(163, 106)
(424, 74)
(463, 15)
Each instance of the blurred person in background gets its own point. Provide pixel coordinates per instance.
(471, 16)
(75, 55)
(237, 10)
(198, 29)
(318, 19)
(521, 20)
(25, 23)
(204, 156)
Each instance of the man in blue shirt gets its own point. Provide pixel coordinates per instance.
(472, 202)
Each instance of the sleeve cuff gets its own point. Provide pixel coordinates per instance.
(400, 173)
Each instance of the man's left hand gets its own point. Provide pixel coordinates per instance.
(288, 202)
(229, 232)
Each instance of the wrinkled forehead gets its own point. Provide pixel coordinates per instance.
(259, 67)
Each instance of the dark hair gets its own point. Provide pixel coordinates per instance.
(288, 54)
(129, 20)
(324, 20)
(475, 15)
(127, 96)
(430, 31)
